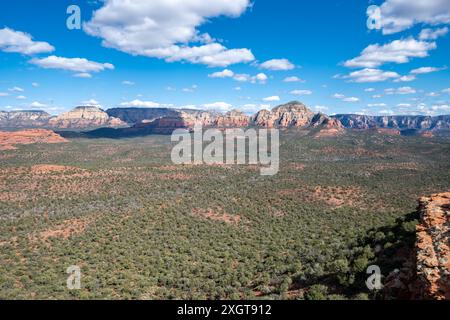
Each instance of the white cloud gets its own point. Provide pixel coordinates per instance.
(350, 99)
(423, 70)
(397, 51)
(237, 88)
(21, 98)
(277, 65)
(4, 94)
(338, 96)
(20, 42)
(293, 79)
(272, 98)
(433, 94)
(16, 89)
(387, 112)
(35, 84)
(404, 105)
(441, 107)
(321, 108)
(166, 29)
(371, 75)
(128, 83)
(342, 97)
(432, 34)
(260, 78)
(377, 96)
(217, 106)
(91, 102)
(378, 105)
(222, 74)
(399, 15)
(139, 103)
(190, 89)
(37, 104)
(84, 75)
(402, 90)
(72, 64)
(369, 90)
(301, 92)
(407, 78)
(446, 91)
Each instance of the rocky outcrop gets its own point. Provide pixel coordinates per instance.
(293, 114)
(433, 246)
(23, 119)
(327, 127)
(8, 140)
(85, 117)
(234, 118)
(420, 123)
(425, 273)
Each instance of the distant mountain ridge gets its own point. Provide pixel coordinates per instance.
(405, 122)
(290, 115)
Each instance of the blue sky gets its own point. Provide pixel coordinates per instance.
(225, 54)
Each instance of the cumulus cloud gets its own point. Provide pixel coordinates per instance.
(301, 92)
(167, 29)
(293, 79)
(272, 98)
(222, 74)
(377, 105)
(397, 51)
(260, 78)
(446, 91)
(217, 106)
(71, 64)
(401, 90)
(16, 89)
(407, 78)
(128, 83)
(91, 102)
(139, 103)
(84, 75)
(424, 70)
(37, 104)
(371, 75)
(399, 15)
(342, 97)
(20, 42)
(277, 65)
(432, 34)
(21, 98)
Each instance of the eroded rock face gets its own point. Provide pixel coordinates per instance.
(85, 117)
(356, 121)
(23, 119)
(8, 140)
(329, 127)
(234, 118)
(433, 246)
(293, 114)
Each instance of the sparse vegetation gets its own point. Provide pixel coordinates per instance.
(142, 228)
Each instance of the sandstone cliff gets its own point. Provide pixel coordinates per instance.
(292, 114)
(8, 140)
(420, 123)
(23, 119)
(85, 117)
(425, 274)
(433, 246)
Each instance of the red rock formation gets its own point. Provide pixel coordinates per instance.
(293, 114)
(433, 246)
(9, 139)
(234, 118)
(329, 127)
(85, 117)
